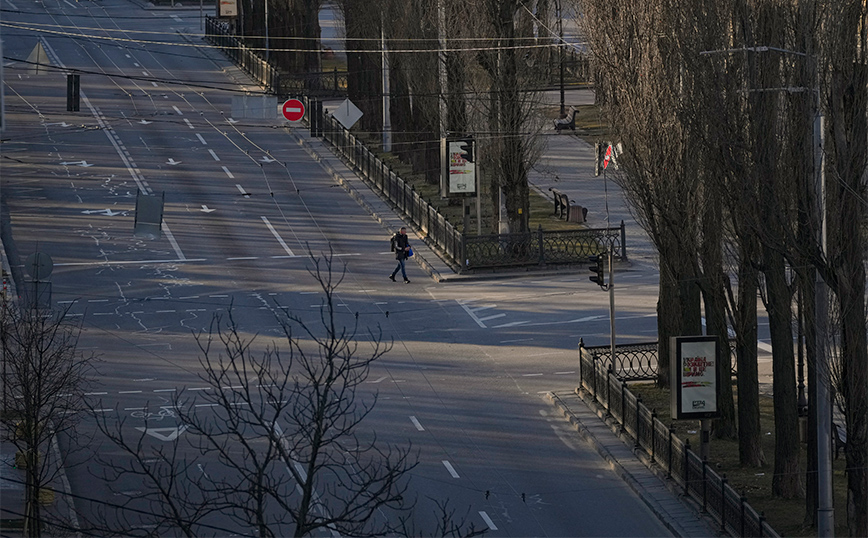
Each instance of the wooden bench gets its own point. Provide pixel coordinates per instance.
(569, 122)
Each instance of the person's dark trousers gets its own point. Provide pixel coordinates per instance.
(401, 267)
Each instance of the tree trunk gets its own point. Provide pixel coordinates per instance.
(787, 479)
(750, 451)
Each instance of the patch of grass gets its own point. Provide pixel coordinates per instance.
(786, 516)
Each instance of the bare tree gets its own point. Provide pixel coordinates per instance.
(44, 378)
(278, 444)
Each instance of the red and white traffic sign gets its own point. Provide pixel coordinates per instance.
(293, 110)
(608, 157)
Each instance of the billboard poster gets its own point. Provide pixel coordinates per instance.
(695, 381)
(461, 173)
(228, 8)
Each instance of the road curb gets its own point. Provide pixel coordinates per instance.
(625, 475)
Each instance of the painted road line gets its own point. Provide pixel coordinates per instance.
(492, 317)
(154, 84)
(145, 73)
(279, 239)
(201, 139)
(200, 388)
(241, 190)
(129, 392)
(190, 125)
(531, 375)
(165, 390)
(211, 151)
(565, 373)
(380, 380)
(471, 313)
(228, 173)
(178, 110)
(450, 469)
(243, 258)
(172, 241)
(487, 520)
(417, 424)
(516, 340)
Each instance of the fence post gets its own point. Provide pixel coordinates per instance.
(686, 467)
(704, 485)
(723, 482)
(653, 433)
(623, 242)
(582, 347)
(608, 391)
(336, 79)
(638, 414)
(669, 457)
(542, 256)
(594, 363)
(762, 520)
(743, 501)
(623, 405)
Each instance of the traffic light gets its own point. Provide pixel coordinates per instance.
(467, 150)
(598, 270)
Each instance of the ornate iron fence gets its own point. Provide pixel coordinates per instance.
(638, 362)
(710, 490)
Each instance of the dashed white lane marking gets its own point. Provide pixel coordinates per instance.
(154, 84)
(201, 139)
(241, 189)
(190, 125)
(450, 469)
(228, 173)
(380, 380)
(516, 340)
(146, 73)
(487, 520)
(165, 390)
(211, 151)
(178, 111)
(129, 392)
(173, 242)
(243, 258)
(417, 424)
(531, 375)
(277, 235)
(565, 373)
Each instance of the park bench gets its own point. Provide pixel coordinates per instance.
(568, 209)
(568, 122)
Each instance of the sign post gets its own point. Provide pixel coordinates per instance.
(695, 383)
(293, 110)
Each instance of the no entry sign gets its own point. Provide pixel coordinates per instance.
(293, 110)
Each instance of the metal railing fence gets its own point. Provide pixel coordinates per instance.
(697, 480)
(638, 362)
(468, 252)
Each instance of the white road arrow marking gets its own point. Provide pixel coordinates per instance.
(163, 434)
(106, 212)
(77, 163)
(145, 122)
(206, 209)
(230, 120)
(172, 162)
(267, 159)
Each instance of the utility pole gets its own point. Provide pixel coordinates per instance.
(267, 51)
(825, 509)
(387, 116)
(561, 55)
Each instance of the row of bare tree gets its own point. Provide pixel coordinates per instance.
(459, 67)
(715, 103)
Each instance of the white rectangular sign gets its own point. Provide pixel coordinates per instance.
(694, 377)
(228, 8)
(462, 174)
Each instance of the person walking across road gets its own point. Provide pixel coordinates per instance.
(401, 248)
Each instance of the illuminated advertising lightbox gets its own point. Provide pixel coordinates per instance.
(695, 382)
(458, 173)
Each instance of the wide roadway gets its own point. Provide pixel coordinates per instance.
(243, 203)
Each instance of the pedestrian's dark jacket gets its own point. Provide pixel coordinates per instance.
(399, 243)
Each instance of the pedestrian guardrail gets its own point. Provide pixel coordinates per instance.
(468, 252)
(218, 33)
(692, 474)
